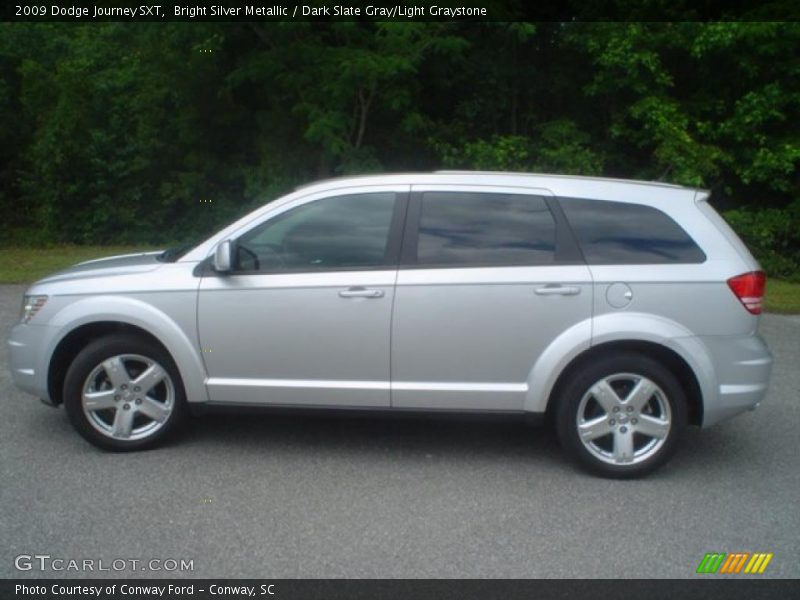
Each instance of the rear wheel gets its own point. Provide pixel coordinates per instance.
(622, 416)
(124, 393)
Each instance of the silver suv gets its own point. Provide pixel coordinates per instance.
(623, 310)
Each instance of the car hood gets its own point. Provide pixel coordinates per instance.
(124, 264)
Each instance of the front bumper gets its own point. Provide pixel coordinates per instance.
(743, 365)
(27, 353)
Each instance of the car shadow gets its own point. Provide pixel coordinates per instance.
(719, 449)
(452, 436)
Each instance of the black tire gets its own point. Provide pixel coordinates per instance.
(600, 456)
(91, 358)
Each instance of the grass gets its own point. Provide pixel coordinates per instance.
(24, 265)
(782, 297)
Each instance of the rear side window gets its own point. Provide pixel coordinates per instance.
(474, 229)
(628, 234)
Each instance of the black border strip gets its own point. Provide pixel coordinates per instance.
(703, 587)
(77, 11)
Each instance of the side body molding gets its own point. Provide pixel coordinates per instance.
(144, 315)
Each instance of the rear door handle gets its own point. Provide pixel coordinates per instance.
(558, 290)
(360, 292)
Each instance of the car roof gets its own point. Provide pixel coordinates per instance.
(561, 185)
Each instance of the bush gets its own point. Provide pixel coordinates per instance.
(773, 236)
(556, 147)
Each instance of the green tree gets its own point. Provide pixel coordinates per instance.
(119, 133)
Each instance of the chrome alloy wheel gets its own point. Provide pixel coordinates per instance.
(128, 397)
(624, 419)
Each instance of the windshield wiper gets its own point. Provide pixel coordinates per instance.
(173, 254)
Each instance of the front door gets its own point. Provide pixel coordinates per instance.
(304, 318)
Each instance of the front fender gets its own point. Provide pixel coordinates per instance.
(143, 315)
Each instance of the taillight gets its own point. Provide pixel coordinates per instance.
(749, 289)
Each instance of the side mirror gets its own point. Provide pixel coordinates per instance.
(222, 257)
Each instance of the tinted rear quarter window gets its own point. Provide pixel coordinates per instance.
(464, 229)
(629, 234)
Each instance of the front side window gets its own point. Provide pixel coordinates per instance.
(341, 232)
(628, 234)
(474, 229)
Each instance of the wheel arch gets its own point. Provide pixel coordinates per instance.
(84, 321)
(670, 358)
(76, 340)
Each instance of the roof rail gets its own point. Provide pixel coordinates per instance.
(554, 175)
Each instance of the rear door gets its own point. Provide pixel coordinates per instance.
(489, 277)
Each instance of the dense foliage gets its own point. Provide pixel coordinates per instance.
(113, 133)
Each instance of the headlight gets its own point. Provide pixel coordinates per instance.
(30, 306)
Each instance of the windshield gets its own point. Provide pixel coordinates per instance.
(174, 253)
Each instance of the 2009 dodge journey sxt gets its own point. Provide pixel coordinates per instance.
(624, 310)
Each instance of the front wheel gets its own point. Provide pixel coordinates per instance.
(123, 393)
(622, 416)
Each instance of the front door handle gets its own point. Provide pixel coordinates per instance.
(360, 292)
(558, 290)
